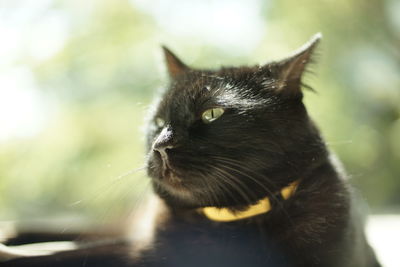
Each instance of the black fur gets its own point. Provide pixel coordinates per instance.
(264, 141)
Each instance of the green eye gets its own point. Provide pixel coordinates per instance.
(212, 114)
(160, 122)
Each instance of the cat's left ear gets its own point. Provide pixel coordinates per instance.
(290, 70)
(174, 65)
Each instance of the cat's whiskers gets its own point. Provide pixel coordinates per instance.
(107, 186)
(221, 180)
(238, 185)
(239, 164)
(122, 196)
(222, 177)
(236, 163)
(130, 172)
(211, 193)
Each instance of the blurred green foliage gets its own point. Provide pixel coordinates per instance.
(108, 70)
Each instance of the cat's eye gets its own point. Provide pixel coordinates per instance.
(160, 122)
(212, 114)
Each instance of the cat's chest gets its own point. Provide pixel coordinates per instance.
(202, 243)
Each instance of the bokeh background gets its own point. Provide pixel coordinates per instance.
(77, 79)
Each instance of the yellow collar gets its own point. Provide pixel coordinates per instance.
(262, 206)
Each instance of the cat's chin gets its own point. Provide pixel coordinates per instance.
(172, 185)
(176, 193)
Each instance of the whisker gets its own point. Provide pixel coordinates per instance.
(212, 196)
(107, 186)
(236, 184)
(121, 198)
(240, 164)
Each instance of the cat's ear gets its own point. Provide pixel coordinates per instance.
(291, 69)
(174, 65)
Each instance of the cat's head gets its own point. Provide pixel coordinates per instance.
(232, 136)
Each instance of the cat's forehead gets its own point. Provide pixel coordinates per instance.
(189, 95)
(200, 83)
(195, 89)
(193, 93)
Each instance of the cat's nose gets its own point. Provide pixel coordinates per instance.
(164, 142)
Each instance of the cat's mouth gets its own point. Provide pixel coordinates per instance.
(172, 182)
(167, 173)
(170, 176)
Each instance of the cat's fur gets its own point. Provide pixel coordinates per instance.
(264, 141)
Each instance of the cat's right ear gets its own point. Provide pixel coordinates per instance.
(174, 65)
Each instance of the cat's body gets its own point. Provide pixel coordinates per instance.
(314, 234)
(310, 229)
(230, 139)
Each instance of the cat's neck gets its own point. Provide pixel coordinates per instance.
(309, 184)
(263, 206)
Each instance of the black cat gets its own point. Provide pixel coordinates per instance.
(242, 178)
